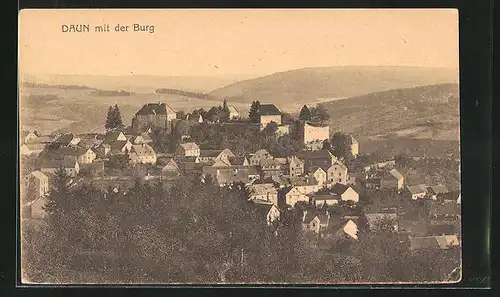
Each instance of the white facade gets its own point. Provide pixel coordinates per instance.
(337, 173)
(320, 175)
(314, 133)
(294, 195)
(350, 195)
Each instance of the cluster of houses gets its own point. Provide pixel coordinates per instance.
(314, 177)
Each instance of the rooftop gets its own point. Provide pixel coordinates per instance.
(269, 109)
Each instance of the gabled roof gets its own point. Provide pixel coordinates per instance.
(452, 195)
(263, 189)
(352, 140)
(338, 189)
(396, 174)
(373, 218)
(338, 164)
(34, 146)
(209, 153)
(295, 161)
(437, 189)
(261, 152)
(232, 109)
(316, 168)
(321, 154)
(39, 175)
(274, 161)
(417, 189)
(171, 164)
(189, 146)
(269, 109)
(237, 160)
(66, 162)
(322, 197)
(264, 208)
(65, 139)
(154, 108)
(143, 150)
(433, 242)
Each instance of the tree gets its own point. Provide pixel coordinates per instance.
(113, 118)
(305, 114)
(326, 145)
(319, 114)
(117, 117)
(58, 198)
(403, 160)
(110, 124)
(340, 144)
(254, 114)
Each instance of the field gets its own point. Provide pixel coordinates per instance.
(77, 111)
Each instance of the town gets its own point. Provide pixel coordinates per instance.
(296, 179)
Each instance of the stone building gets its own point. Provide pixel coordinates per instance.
(153, 115)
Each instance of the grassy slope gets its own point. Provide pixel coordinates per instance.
(425, 112)
(291, 89)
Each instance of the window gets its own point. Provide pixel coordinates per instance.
(314, 224)
(340, 174)
(340, 180)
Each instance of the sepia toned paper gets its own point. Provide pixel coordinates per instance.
(224, 146)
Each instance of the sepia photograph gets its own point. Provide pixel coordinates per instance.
(239, 146)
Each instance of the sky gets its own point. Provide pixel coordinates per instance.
(227, 42)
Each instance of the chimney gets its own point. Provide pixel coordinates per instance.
(304, 215)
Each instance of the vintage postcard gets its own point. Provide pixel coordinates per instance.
(239, 146)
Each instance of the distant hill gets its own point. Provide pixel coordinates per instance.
(421, 112)
(292, 89)
(133, 83)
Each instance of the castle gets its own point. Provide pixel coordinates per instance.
(153, 115)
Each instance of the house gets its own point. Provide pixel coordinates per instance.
(153, 115)
(102, 151)
(342, 227)
(313, 132)
(231, 174)
(449, 197)
(194, 117)
(263, 193)
(39, 183)
(346, 193)
(142, 153)
(171, 169)
(433, 242)
(337, 173)
(306, 185)
(315, 222)
(269, 113)
(434, 191)
(241, 161)
(319, 174)
(112, 136)
(28, 136)
(140, 139)
(119, 147)
(354, 146)
(188, 149)
(392, 180)
(65, 140)
(253, 173)
(52, 165)
(325, 199)
(29, 149)
(293, 195)
(296, 166)
(322, 158)
(92, 169)
(375, 219)
(269, 212)
(258, 156)
(417, 191)
(233, 113)
(209, 156)
(221, 163)
(83, 155)
(274, 167)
